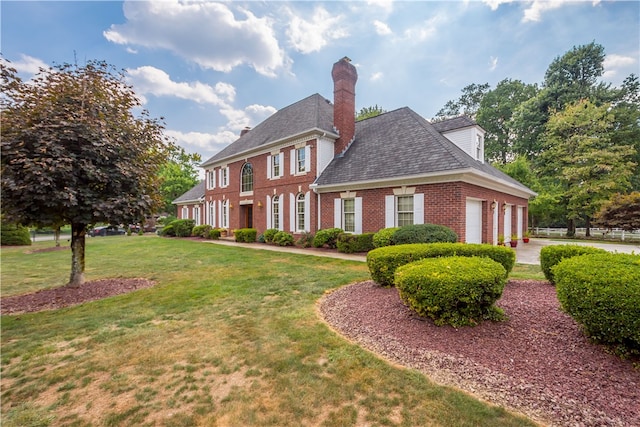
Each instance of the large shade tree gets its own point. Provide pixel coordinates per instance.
(177, 176)
(73, 152)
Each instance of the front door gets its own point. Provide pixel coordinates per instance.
(248, 216)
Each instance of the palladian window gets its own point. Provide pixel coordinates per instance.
(247, 178)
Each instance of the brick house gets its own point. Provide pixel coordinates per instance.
(312, 166)
(190, 205)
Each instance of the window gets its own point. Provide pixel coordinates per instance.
(212, 179)
(275, 166)
(300, 211)
(196, 214)
(212, 213)
(224, 214)
(224, 177)
(349, 215)
(185, 213)
(247, 178)
(275, 212)
(479, 147)
(300, 159)
(404, 210)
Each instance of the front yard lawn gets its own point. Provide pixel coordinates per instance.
(228, 336)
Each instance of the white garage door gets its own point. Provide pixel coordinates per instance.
(473, 229)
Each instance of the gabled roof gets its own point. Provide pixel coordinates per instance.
(399, 144)
(453, 123)
(313, 112)
(196, 194)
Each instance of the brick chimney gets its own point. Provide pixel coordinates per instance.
(344, 102)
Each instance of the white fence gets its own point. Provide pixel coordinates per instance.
(597, 233)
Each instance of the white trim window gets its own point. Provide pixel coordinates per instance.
(224, 214)
(196, 214)
(246, 179)
(223, 177)
(212, 214)
(275, 164)
(300, 160)
(404, 209)
(185, 213)
(276, 213)
(211, 179)
(300, 212)
(348, 214)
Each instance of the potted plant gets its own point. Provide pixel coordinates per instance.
(500, 240)
(525, 236)
(514, 240)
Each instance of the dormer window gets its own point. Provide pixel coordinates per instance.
(479, 147)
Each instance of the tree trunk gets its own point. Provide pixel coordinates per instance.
(56, 236)
(571, 228)
(588, 230)
(78, 232)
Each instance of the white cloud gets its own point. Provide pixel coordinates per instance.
(248, 117)
(311, 35)
(376, 76)
(381, 28)
(534, 12)
(494, 4)
(28, 65)
(385, 5)
(426, 30)
(221, 41)
(613, 63)
(150, 80)
(202, 141)
(493, 63)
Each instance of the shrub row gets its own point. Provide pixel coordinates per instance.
(179, 228)
(246, 235)
(383, 237)
(383, 262)
(14, 235)
(459, 291)
(419, 233)
(201, 231)
(552, 255)
(327, 237)
(352, 243)
(601, 291)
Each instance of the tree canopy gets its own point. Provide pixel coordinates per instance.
(74, 153)
(177, 175)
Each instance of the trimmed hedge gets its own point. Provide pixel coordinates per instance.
(214, 234)
(269, 234)
(201, 231)
(179, 228)
(423, 233)
(327, 237)
(383, 237)
(14, 235)
(282, 238)
(552, 255)
(351, 243)
(458, 291)
(383, 262)
(246, 235)
(602, 293)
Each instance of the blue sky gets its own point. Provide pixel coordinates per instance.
(212, 68)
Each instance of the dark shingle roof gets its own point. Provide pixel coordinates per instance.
(397, 144)
(196, 193)
(453, 124)
(309, 113)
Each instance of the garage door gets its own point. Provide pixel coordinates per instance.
(473, 229)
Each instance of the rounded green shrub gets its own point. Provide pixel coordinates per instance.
(458, 291)
(602, 293)
(282, 238)
(201, 231)
(327, 237)
(423, 233)
(214, 234)
(383, 262)
(179, 228)
(246, 235)
(383, 237)
(269, 234)
(352, 243)
(14, 235)
(552, 255)
(168, 230)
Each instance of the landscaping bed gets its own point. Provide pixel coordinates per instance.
(538, 362)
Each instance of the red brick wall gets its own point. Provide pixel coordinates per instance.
(445, 204)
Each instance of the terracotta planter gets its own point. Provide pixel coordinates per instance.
(525, 239)
(513, 243)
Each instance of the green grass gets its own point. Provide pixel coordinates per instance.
(228, 336)
(527, 271)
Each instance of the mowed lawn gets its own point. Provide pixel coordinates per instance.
(228, 336)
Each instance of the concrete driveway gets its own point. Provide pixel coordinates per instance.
(529, 253)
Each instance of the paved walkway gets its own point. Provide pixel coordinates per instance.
(526, 253)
